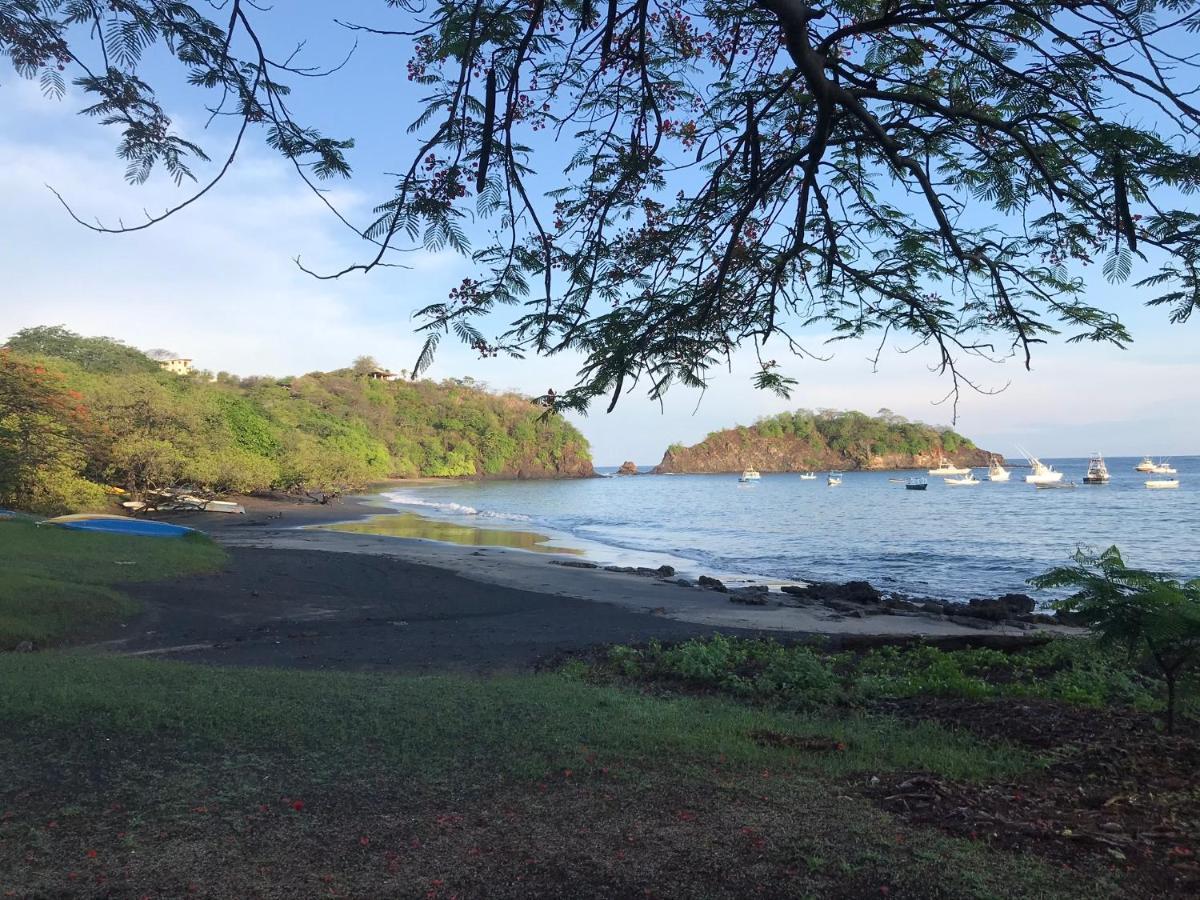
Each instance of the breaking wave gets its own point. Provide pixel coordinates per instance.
(454, 509)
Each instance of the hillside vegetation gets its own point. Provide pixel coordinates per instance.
(827, 439)
(78, 414)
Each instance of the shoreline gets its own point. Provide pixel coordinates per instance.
(280, 525)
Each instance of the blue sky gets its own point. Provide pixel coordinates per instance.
(218, 283)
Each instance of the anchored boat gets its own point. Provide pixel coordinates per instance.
(833, 479)
(996, 471)
(945, 467)
(964, 481)
(1097, 472)
(1146, 465)
(808, 476)
(916, 484)
(1159, 484)
(1042, 473)
(749, 475)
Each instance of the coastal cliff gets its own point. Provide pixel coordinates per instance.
(803, 441)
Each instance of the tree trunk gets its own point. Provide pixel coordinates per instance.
(1170, 702)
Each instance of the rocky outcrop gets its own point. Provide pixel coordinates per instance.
(847, 441)
(628, 468)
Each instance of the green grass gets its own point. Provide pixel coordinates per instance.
(167, 778)
(1071, 670)
(57, 585)
(432, 726)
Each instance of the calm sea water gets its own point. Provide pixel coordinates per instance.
(950, 542)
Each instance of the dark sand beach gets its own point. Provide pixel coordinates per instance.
(294, 595)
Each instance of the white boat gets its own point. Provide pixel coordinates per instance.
(1159, 484)
(1097, 472)
(1055, 485)
(945, 467)
(1146, 465)
(1042, 473)
(996, 470)
(965, 480)
(750, 475)
(808, 476)
(833, 479)
(1163, 468)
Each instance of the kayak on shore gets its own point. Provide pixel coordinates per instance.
(119, 525)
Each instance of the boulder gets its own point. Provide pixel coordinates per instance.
(995, 609)
(574, 564)
(713, 583)
(628, 468)
(755, 595)
(850, 592)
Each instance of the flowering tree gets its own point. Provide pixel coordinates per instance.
(737, 169)
(40, 425)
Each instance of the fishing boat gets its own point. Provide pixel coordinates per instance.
(808, 476)
(1042, 473)
(996, 470)
(118, 525)
(833, 479)
(1055, 485)
(916, 484)
(945, 467)
(749, 475)
(1097, 472)
(1146, 465)
(963, 481)
(1163, 468)
(1159, 484)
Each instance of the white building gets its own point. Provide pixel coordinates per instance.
(177, 366)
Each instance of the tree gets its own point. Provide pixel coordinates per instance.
(1147, 613)
(42, 425)
(740, 168)
(364, 365)
(92, 354)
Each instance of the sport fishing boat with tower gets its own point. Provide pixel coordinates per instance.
(1097, 472)
(996, 470)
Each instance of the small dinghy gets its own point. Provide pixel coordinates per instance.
(808, 476)
(1160, 484)
(119, 525)
(833, 479)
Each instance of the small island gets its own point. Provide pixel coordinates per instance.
(804, 440)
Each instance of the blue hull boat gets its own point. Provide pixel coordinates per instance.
(119, 525)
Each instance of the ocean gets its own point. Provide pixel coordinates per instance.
(946, 542)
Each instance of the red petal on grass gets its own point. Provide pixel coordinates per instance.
(91, 854)
(365, 841)
(298, 805)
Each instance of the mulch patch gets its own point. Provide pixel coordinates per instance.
(1115, 791)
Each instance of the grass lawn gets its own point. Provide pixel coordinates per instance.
(153, 778)
(57, 585)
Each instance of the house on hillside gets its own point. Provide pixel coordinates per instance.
(176, 366)
(381, 375)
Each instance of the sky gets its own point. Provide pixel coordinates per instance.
(219, 283)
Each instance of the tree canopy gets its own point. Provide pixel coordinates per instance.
(737, 170)
(67, 429)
